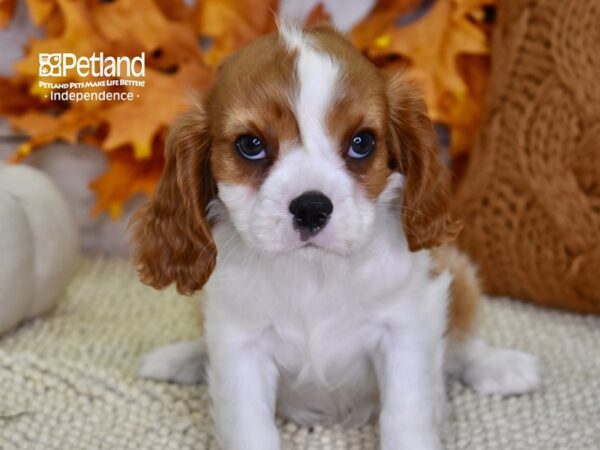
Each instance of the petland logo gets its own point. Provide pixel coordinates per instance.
(96, 78)
(63, 65)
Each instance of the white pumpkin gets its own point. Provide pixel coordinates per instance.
(39, 246)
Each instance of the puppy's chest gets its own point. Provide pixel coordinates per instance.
(326, 372)
(322, 347)
(324, 320)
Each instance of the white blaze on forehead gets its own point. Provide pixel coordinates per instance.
(317, 77)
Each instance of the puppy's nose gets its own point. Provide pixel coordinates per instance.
(311, 212)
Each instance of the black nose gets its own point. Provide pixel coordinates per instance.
(311, 212)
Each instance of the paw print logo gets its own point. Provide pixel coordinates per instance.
(50, 65)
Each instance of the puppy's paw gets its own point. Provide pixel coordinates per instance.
(411, 441)
(504, 372)
(183, 362)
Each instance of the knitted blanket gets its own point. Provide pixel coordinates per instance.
(69, 381)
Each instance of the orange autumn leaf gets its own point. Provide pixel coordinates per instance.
(44, 128)
(382, 17)
(475, 70)
(78, 37)
(432, 45)
(54, 24)
(175, 10)
(126, 27)
(231, 24)
(125, 178)
(15, 99)
(41, 10)
(136, 122)
(7, 9)
(150, 31)
(318, 16)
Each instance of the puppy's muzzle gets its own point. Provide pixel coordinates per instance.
(311, 212)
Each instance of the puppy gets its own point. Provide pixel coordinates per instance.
(304, 194)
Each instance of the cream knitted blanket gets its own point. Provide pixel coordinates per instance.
(69, 381)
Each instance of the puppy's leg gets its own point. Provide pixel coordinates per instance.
(182, 362)
(242, 382)
(411, 387)
(408, 363)
(488, 370)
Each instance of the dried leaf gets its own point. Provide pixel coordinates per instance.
(121, 22)
(7, 9)
(14, 98)
(41, 10)
(126, 177)
(468, 114)
(433, 44)
(318, 16)
(176, 10)
(137, 122)
(231, 24)
(79, 37)
(382, 17)
(43, 128)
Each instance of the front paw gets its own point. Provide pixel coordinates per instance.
(252, 441)
(182, 362)
(411, 441)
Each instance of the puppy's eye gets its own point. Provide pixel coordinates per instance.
(362, 145)
(251, 147)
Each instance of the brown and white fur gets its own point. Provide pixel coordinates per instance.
(352, 322)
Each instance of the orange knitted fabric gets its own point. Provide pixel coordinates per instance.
(530, 198)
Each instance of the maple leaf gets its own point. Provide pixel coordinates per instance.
(317, 16)
(468, 114)
(127, 177)
(164, 97)
(175, 10)
(7, 9)
(14, 98)
(150, 31)
(44, 128)
(41, 10)
(231, 24)
(382, 17)
(126, 27)
(432, 44)
(78, 36)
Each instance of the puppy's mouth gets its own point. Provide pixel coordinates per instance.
(310, 250)
(310, 245)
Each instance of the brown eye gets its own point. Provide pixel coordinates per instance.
(361, 145)
(251, 147)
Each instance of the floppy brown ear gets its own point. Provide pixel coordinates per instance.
(172, 241)
(414, 152)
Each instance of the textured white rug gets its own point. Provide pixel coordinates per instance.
(68, 382)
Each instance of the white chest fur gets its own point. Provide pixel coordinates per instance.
(322, 317)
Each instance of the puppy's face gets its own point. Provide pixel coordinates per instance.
(300, 138)
(299, 152)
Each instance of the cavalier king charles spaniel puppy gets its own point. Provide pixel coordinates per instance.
(305, 196)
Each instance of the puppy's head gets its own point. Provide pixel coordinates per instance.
(300, 138)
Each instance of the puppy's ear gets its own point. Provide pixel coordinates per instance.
(414, 153)
(172, 241)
